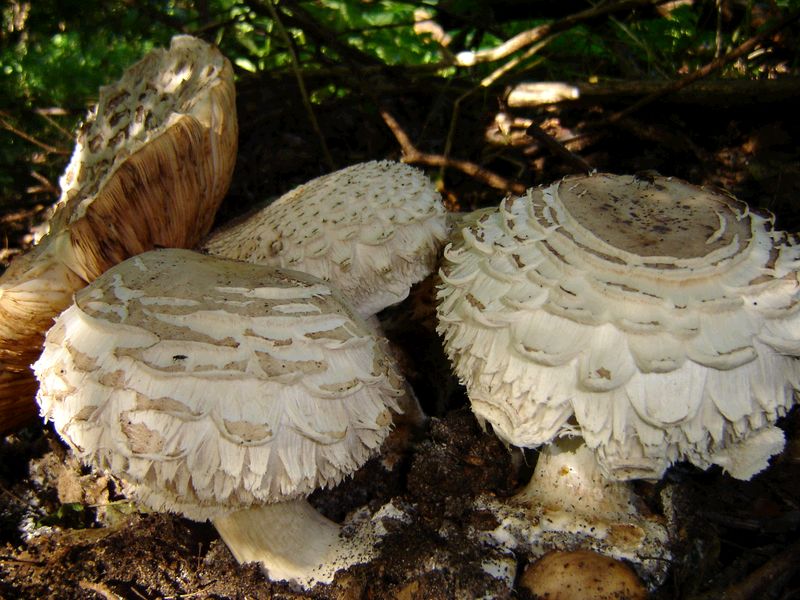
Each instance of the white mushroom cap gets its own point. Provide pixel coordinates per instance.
(211, 385)
(373, 229)
(151, 164)
(656, 319)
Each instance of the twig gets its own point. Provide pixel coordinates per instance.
(11, 559)
(759, 583)
(424, 24)
(537, 38)
(486, 82)
(301, 84)
(202, 590)
(740, 50)
(99, 588)
(139, 594)
(531, 36)
(514, 62)
(558, 149)
(45, 114)
(5, 124)
(312, 28)
(46, 185)
(451, 130)
(414, 156)
(13, 496)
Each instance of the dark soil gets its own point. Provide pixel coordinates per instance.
(65, 533)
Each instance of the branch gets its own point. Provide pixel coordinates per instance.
(5, 124)
(716, 92)
(413, 156)
(526, 38)
(763, 580)
(744, 48)
(311, 27)
(101, 589)
(558, 149)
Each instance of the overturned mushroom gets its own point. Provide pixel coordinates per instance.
(226, 391)
(150, 166)
(629, 324)
(373, 229)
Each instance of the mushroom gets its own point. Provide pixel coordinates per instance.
(581, 575)
(226, 391)
(151, 164)
(373, 229)
(624, 324)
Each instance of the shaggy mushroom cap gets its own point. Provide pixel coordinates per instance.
(656, 319)
(210, 385)
(373, 229)
(151, 164)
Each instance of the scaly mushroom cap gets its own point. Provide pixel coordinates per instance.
(209, 385)
(373, 229)
(151, 164)
(656, 319)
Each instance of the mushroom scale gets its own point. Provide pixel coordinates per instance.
(656, 319)
(151, 163)
(182, 101)
(226, 391)
(373, 229)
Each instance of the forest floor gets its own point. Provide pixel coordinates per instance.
(66, 533)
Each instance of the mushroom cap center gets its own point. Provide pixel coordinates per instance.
(656, 216)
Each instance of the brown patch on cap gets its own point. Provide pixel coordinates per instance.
(656, 216)
(581, 574)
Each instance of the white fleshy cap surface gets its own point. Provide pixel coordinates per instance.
(209, 385)
(656, 319)
(373, 229)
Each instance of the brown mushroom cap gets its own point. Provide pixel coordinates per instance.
(656, 319)
(581, 575)
(373, 229)
(151, 164)
(211, 385)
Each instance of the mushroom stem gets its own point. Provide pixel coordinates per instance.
(292, 541)
(569, 504)
(568, 478)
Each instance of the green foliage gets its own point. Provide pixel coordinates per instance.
(56, 53)
(61, 53)
(381, 29)
(72, 515)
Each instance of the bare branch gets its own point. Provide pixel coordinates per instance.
(744, 48)
(531, 36)
(558, 149)
(6, 124)
(413, 156)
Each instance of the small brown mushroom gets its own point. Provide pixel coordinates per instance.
(151, 164)
(581, 575)
(227, 391)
